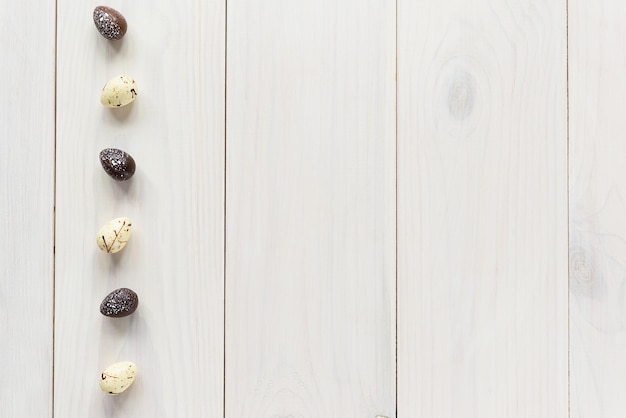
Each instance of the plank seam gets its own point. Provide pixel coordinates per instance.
(54, 203)
(567, 165)
(224, 208)
(396, 204)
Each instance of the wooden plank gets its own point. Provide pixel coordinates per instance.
(597, 193)
(310, 243)
(174, 260)
(482, 209)
(27, 207)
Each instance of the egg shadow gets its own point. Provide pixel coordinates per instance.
(116, 259)
(116, 328)
(119, 404)
(116, 46)
(122, 113)
(110, 47)
(126, 187)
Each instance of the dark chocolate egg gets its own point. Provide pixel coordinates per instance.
(117, 163)
(119, 303)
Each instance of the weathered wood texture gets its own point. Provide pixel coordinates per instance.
(482, 209)
(597, 92)
(174, 259)
(26, 207)
(310, 277)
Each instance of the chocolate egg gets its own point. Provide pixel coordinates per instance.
(119, 91)
(109, 22)
(114, 235)
(119, 303)
(116, 378)
(117, 163)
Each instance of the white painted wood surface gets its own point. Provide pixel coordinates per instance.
(482, 209)
(309, 164)
(26, 208)
(310, 237)
(597, 206)
(174, 259)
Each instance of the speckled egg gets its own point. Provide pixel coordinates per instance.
(118, 377)
(119, 91)
(114, 235)
(110, 23)
(119, 303)
(117, 163)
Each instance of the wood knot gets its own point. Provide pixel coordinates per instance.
(461, 95)
(582, 275)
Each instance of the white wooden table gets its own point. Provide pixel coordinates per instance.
(342, 208)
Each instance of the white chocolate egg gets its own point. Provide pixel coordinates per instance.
(114, 235)
(116, 378)
(119, 91)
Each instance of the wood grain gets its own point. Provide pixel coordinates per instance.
(310, 243)
(174, 259)
(597, 192)
(482, 209)
(26, 207)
